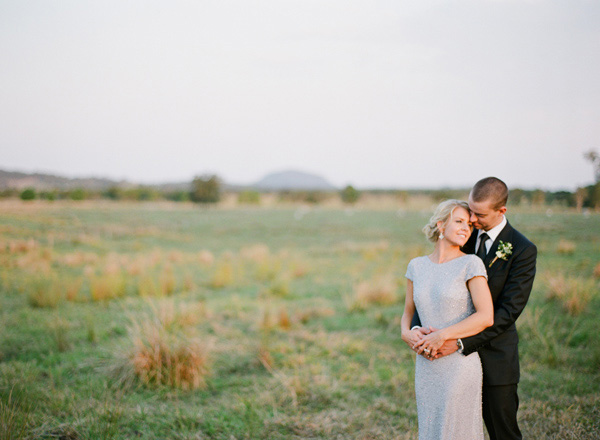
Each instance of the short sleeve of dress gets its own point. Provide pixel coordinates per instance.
(410, 271)
(475, 268)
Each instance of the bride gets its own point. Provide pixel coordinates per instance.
(449, 291)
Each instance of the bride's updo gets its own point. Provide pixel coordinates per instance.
(442, 213)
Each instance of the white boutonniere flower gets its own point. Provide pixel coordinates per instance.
(504, 251)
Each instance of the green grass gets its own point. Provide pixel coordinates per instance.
(312, 368)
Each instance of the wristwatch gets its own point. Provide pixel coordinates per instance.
(460, 345)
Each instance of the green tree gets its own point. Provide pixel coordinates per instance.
(594, 158)
(114, 193)
(595, 196)
(580, 195)
(538, 197)
(206, 189)
(28, 194)
(516, 196)
(350, 195)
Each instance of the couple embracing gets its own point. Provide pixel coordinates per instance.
(462, 302)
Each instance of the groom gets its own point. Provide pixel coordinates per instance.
(510, 276)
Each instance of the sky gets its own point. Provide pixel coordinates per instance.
(378, 94)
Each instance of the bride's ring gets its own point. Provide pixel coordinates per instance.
(426, 350)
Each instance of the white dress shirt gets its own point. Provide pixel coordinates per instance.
(492, 233)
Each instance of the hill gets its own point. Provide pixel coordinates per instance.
(293, 180)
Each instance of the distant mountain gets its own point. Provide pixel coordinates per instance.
(285, 180)
(293, 180)
(40, 181)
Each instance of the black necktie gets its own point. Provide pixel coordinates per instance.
(481, 252)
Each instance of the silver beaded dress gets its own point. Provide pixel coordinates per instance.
(448, 389)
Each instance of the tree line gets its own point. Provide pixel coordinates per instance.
(208, 189)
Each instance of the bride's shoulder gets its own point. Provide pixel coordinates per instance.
(473, 260)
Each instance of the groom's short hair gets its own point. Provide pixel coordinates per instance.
(492, 189)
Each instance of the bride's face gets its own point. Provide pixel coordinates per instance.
(458, 227)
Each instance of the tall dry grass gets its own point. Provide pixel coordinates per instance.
(574, 293)
(15, 419)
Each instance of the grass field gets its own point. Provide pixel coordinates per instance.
(168, 321)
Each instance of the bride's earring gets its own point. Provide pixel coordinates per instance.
(441, 235)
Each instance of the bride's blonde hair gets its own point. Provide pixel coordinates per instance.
(442, 213)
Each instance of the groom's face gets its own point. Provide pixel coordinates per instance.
(484, 215)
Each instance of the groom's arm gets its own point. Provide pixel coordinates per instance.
(416, 321)
(511, 301)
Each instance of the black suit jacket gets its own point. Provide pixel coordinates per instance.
(510, 284)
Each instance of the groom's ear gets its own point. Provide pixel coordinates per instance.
(502, 210)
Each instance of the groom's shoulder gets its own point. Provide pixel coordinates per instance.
(519, 239)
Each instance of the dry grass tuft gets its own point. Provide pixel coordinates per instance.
(566, 247)
(284, 319)
(44, 291)
(108, 286)
(574, 293)
(257, 253)
(279, 287)
(177, 316)
(21, 246)
(224, 273)
(314, 313)
(167, 281)
(59, 329)
(163, 354)
(148, 286)
(72, 287)
(379, 290)
(206, 258)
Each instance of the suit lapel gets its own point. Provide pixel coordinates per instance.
(505, 236)
(469, 247)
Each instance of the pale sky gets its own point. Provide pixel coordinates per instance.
(376, 93)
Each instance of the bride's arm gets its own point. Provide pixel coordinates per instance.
(411, 337)
(473, 324)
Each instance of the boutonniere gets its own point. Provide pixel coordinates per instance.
(504, 251)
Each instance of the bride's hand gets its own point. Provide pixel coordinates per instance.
(412, 337)
(431, 343)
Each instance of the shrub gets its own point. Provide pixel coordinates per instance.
(249, 197)
(28, 194)
(350, 195)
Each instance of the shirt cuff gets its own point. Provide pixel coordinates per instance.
(461, 347)
(414, 327)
